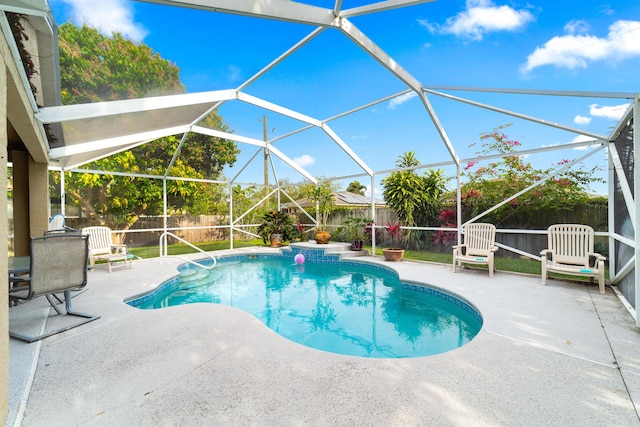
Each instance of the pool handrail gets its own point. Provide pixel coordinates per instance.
(164, 253)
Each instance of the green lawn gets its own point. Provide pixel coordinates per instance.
(180, 249)
(517, 265)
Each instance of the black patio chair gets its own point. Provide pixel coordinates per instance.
(58, 264)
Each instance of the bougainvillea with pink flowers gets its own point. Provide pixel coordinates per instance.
(487, 183)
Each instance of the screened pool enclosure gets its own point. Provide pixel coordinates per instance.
(328, 114)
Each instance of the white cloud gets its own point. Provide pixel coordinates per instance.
(108, 16)
(399, 100)
(576, 27)
(606, 10)
(479, 18)
(304, 160)
(582, 138)
(576, 49)
(582, 120)
(612, 112)
(376, 191)
(234, 74)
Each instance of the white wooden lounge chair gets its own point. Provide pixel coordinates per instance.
(570, 251)
(478, 247)
(101, 247)
(58, 264)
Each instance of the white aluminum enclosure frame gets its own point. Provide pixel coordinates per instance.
(189, 109)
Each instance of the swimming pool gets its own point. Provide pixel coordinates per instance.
(347, 307)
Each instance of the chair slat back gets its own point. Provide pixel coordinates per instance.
(479, 238)
(58, 262)
(571, 243)
(99, 239)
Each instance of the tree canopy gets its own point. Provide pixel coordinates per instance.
(356, 188)
(94, 68)
(490, 183)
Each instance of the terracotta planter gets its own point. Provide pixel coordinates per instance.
(276, 240)
(323, 237)
(393, 254)
(356, 245)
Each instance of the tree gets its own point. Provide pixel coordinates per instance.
(489, 185)
(356, 188)
(94, 67)
(99, 68)
(414, 198)
(322, 196)
(243, 200)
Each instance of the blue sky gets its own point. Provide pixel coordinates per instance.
(544, 44)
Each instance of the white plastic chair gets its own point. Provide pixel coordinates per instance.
(57, 224)
(101, 247)
(570, 251)
(478, 247)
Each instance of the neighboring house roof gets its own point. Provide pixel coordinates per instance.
(341, 199)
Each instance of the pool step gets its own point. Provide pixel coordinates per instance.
(196, 277)
(192, 274)
(340, 249)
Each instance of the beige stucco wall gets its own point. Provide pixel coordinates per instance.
(16, 108)
(4, 236)
(38, 198)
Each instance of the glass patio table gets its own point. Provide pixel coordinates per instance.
(17, 265)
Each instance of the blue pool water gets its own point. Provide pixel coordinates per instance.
(347, 308)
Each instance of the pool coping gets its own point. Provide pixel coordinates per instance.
(546, 355)
(344, 258)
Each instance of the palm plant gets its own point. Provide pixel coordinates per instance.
(323, 197)
(273, 223)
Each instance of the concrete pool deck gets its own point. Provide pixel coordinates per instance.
(561, 354)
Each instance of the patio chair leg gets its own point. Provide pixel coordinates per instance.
(49, 298)
(67, 296)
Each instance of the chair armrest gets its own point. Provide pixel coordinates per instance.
(594, 258)
(18, 279)
(460, 249)
(20, 284)
(14, 289)
(118, 248)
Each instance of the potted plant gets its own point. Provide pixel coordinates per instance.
(275, 227)
(394, 253)
(355, 230)
(323, 198)
(299, 233)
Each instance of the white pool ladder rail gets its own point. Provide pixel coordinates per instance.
(164, 249)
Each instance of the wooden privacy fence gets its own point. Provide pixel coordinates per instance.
(205, 228)
(190, 228)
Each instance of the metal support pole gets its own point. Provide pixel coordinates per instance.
(373, 215)
(230, 215)
(266, 153)
(164, 216)
(636, 186)
(63, 193)
(459, 204)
